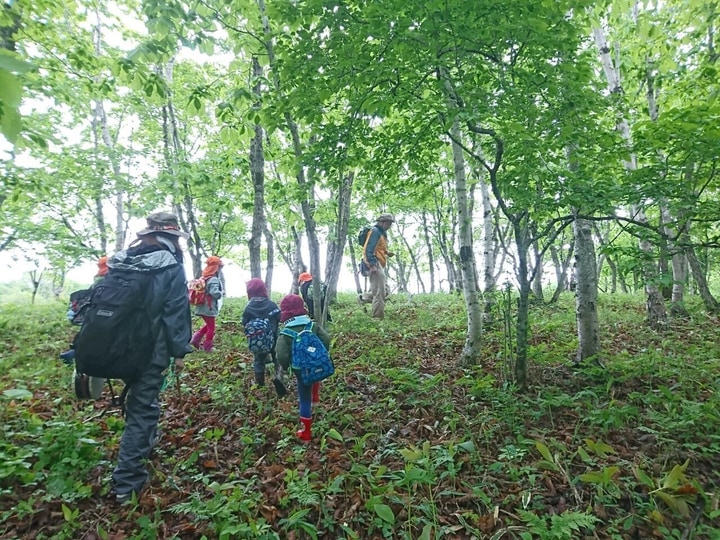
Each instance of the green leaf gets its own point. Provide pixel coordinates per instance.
(11, 124)
(547, 465)
(600, 448)
(333, 434)
(10, 89)
(676, 476)
(591, 478)
(67, 513)
(468, 446)
(643, 478)
(411, 454)
(544, 450)
(89, 441)
(17, 393)
(678, 505)
(385, 513)
(14, 65)
(426, 532)
(584, 455)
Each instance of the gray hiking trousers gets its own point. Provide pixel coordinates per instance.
(141, 422)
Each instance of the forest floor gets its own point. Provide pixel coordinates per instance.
(407, 444)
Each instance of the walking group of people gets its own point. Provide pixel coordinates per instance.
(155, 259)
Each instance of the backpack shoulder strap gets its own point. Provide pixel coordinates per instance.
(309, 326)
(287, 332)
(367, 238)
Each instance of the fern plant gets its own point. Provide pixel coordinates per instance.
(566, 526)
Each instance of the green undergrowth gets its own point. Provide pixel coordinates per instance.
(407, 443)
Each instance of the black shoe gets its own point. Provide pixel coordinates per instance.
(280, 388)
(68, 357)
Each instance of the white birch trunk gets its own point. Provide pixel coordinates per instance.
(471, 350)
(488, 240)
(656, 312)
(586, 291)
(120, 222)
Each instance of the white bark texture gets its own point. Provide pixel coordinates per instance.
(656, 312)
(588, 327)
(488, 238)
(471, 350)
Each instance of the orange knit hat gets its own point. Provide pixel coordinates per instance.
(213, 264)
(102, 266)
(305, 276)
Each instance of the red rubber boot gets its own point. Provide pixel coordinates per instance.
(305, 434)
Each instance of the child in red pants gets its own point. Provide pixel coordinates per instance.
(209, 310)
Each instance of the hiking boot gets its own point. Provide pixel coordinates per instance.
(127, 497)
(122, 498)
(260, 378)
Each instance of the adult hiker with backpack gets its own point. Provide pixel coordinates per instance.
(260, 320)
(305, 283)
(205, 295)
(375, 256)
(303, 346)
(137, 320)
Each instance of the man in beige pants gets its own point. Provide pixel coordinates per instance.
(375, 256)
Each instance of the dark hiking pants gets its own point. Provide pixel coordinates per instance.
(142, 412)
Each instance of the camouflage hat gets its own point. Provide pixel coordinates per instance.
(386, 217)
(163, 222)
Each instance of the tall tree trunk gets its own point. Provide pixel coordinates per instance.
(537, 287)
(354, 261)
(679, 266)
(446, 250)
(588, 327)
(656, 312)
(174, 155)
(120, 222)
(522, 242)
(709, 301)
(431, 251)
(414, 262)
(300, 265)
(307, 203)
(336, 245)
(35, 279)
(489, 248)
(257, 173)
(270, 268)
(562, 265)
(471, 349)
(402, 273)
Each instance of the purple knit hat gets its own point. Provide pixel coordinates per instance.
(256, 288)
(291, 306)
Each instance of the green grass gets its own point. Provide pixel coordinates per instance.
(406, 443)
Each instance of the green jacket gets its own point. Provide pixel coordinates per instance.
(283, 348)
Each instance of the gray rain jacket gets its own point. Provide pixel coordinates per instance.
(166, 300)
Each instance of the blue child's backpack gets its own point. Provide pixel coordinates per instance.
(259, 334)
(309, 355)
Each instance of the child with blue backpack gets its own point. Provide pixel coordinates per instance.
(295, 318)
(260, 320)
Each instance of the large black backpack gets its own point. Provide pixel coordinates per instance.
(116, 339)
